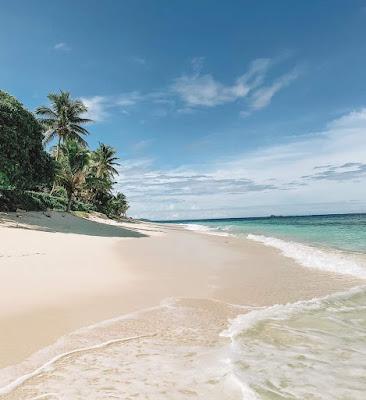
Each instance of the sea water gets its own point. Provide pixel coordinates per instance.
(344, 232)
(207, 349)
(335, 243)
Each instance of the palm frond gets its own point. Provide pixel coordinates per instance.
(64, 117)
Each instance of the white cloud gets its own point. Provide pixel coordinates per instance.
(97, 107)
(191, 91)
(263, 96)
(62, 46)
(203, 90)
(128, 99)
(352, 120)
(322, 172)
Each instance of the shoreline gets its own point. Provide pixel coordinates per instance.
(54, 282)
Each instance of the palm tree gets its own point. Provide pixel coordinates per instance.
(63, 120)
(74, 160)
(104, 161)
(97, 189)
(120, 204)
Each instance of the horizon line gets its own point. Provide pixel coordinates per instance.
(265, 217)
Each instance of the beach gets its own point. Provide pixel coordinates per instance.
(161, 291)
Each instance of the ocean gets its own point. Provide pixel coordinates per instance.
(207, 349)
(336, 243)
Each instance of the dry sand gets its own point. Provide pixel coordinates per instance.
(59, 272)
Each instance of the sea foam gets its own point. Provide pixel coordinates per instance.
(308, 349)
(205, 229)
(312, 257)
(279, 312)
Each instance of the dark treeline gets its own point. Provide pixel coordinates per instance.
(69, 176)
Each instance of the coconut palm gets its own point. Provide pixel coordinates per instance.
(63, 120)
(97, 189)
(104, 161)
(119, 205)
(74, 162)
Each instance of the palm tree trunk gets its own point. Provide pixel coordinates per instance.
(57, 157)
(70, 196)
(58, 148)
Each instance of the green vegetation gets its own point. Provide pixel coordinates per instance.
(63, 120)
(24, 164)
(70, 177)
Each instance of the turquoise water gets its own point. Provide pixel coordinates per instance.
(343, 232)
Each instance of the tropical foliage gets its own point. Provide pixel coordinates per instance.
(105, 161)
(63, 119)
(24, 164)
(74, 162)
(81, 179)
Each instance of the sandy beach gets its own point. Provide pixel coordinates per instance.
(59, 273)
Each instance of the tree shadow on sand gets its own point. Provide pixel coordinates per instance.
(66, 223)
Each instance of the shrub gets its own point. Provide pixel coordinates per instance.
(10, 200)
(23, 162)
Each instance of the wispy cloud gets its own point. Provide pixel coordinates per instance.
(261, 97)
(175, 183)
(128, 99)
(339, 173)
(203, 90)
(195, 90)
(97, 107)
(62, 46)
(353, 120)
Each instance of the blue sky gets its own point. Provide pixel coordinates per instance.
(217, 109)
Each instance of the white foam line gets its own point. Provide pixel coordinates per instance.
(246, 392)
(244, 322)
(13, 385)
(204, 229)
(171, 302)
(313, 257)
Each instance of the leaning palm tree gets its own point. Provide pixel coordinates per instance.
(63, 120)
(104, 161)
(74, 162)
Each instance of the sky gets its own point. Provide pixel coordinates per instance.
(216, 108)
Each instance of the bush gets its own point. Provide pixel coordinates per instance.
(10, 200)
(23, 162)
